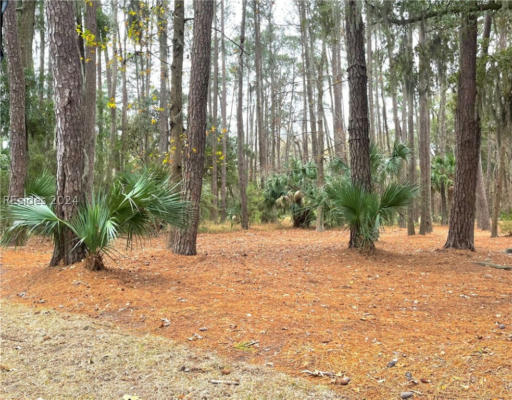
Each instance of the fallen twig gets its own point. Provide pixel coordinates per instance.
(316, 372)
(218, 382)
(497, 266)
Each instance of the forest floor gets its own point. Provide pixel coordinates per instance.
(410, 318)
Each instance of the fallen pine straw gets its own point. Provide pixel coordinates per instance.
(309, 303)
(51, 355)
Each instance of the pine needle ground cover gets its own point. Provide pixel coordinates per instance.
(410, 318)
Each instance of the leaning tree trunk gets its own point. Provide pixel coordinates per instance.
(185, 239)
(242, 170)
(17, 127)
(462, 217)
(67, 76)
(359, 140)
(89, 97)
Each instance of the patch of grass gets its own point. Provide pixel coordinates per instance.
(51, 355)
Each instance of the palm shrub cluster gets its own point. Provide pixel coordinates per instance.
(367, 211)
(293, 192)
(341, 200)
(130, 208)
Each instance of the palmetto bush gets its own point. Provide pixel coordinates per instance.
(367, 211)
(130, 208)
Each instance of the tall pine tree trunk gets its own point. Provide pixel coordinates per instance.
(358, 129)
(163, 121)
(411, 171)
(262, 134)
(185, 239)
(224, 132)
(67, 76)
(17, 126)
(89, 98)
(213, 133)
(26, 25)
(424, 136)
(176, 111)
(242, 170)
(462, 217)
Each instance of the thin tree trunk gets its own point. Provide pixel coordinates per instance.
(26, 25)
(262, 135)
(113, 149)
(176, 111)
(369, 68)
(411, 171)
(462, 217)
(163, 119)
(124, 111)
(42, 51)
(242, 171)
(185, 239)
(424, 137)
(70, 128)
(359, 140)
(309, 79)
(89, 98)
(17, 127)
(213, 134)
(339, 133)
(320, 151)
(225, 133)
(482, 205)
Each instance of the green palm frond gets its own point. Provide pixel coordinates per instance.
(365, 210)
(394, 198)
(28, 216)
(95, 226)
(43, 186)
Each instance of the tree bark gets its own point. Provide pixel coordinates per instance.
(461, 232)
(163, 121)
(320, 150)
(359, 141)
(26, 25)
(339, 133)
(176, 111)
(369, 52)
(70, 128)
(185, 239)
(42, 51)
(242, 170)
(262, 134)
(89, 97)
(17, 127)
(224, 132)
(482, 205)
(309, 78)
(424, 136)
(213, 133)
(113, 162)
(411, 171)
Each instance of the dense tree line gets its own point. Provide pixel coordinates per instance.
(253, 112)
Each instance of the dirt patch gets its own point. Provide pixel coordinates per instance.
(302, 301)
(51, 355)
